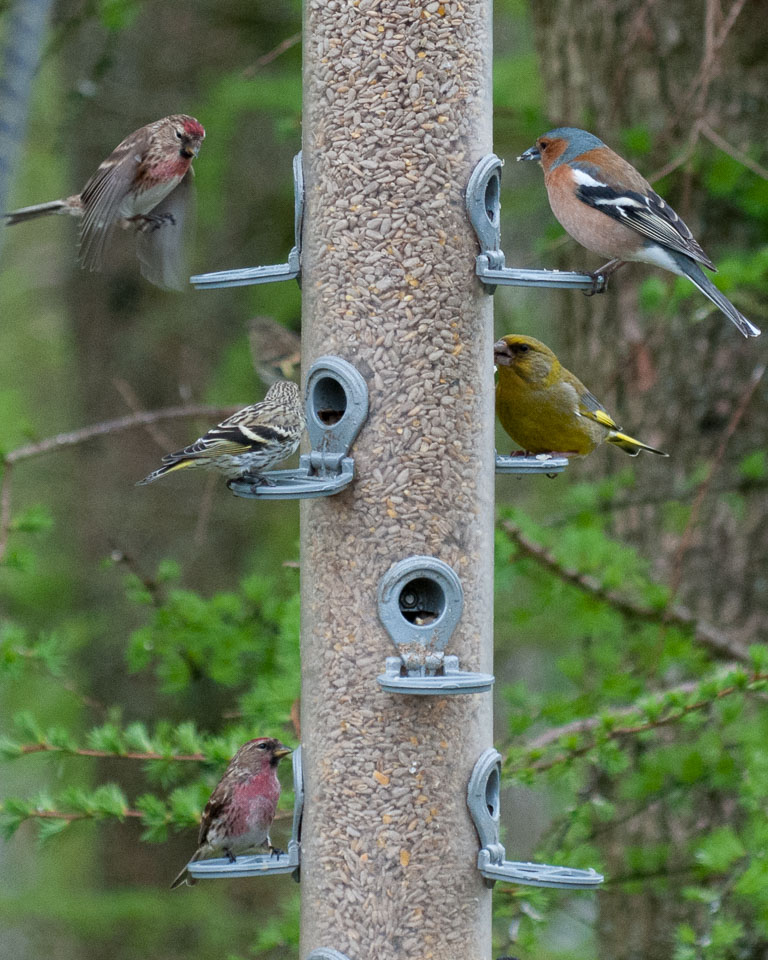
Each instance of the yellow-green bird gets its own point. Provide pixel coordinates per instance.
(545, 409)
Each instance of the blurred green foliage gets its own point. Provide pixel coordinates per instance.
(203, 653)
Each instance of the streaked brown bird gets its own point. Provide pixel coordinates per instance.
(247, 443)
(144, 184)
(239, 814)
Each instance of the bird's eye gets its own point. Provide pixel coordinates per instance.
(523, 347)
(543, 144)
(262, 746)
(179, 135)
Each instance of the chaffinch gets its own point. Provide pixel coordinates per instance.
(545, 408)
(609, 208)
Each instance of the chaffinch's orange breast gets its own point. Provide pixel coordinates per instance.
(593, 229)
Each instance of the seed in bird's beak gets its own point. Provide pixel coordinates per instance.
(532, 153)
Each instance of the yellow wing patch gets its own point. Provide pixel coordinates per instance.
(221, 448)
(599, 416)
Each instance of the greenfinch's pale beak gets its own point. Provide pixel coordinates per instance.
(532, 153)
(501, 354)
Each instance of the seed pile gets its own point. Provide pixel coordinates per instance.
(397, 113)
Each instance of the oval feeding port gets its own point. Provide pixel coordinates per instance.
(492, 197)
(329, 401)
(337, 405)
(492, 792)
(422, 601)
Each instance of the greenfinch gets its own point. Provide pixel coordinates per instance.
(544, 408)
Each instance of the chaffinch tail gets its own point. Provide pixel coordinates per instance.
(609, 208)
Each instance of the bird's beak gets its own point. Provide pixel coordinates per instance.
(281, 751)
(532, 153)
(501, 355)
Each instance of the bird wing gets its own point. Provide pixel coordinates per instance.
(591, 408)
(645, 212)
(217, 803)
(102, 197)
(228, 438)
(162, 249)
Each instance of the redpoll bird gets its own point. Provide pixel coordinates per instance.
(249, 441)
(145, 183)
(241, 809)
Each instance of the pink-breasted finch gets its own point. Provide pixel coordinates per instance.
(248, 442)
(144, 184)
(242, 807)
(609, 208)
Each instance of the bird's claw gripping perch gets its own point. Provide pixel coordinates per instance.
(599, 284)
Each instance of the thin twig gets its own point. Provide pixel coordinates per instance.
(738, 155)
(684, 157)
(129, 422)
(128, 394)
(127, 755)
(713, 44)
(137, 814)
(685, 540)
(5, 508)
(65, 684)
(60, 815)
(75, 437)
(591, 723)
(705, 634)
(587, 724)
(742, 486)
(273, 54)
(149, 583)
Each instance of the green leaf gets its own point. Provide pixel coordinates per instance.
(51, 827)
(719, 850)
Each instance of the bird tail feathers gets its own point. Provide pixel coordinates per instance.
(184, 877)
(630, 445)
(202, 853)
(161, 471)
(699, 279)
(38, 210)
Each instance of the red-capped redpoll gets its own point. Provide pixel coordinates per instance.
(248, 442)
(241, 809)
(145, 183)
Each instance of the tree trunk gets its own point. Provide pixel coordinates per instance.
(674, 379)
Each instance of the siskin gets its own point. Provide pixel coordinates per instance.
(248, 442)
(545, 408)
